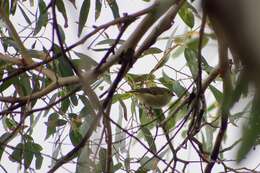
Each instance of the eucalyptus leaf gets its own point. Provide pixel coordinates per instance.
(84, 11)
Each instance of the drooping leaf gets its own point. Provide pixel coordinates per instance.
(3, 139)
(217, 93)
(115, 10)
(24, 83)
(62, 33)
(83, 16)
(149, 139)
(251, 131)
(75, 136)
(241, 87)
(120, 143)
(51, 124)
(42, 21)
(17, 154)
(28, 154)
(103, 157)
(186, 15)
(192, 61)
(62, 10)
(65, 103)
(25, 15)
(38, 161)
(98, 8)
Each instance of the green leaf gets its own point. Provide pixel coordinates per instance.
(176, 116)
(65, 105)
(62, 10)
(117, 167)
(25, 15)
(75, 136)
(149, 139)
(3, 139)
(120, 136)
(36, 148)
(102, 156)
(98, 8)
(148, 164)
(17, 154)
(251, 130)
(62, 34)
(186, 15)
(85, 61)
(24, 83)
(10, 123)
(51, 124)
(63, 65)
(241, 87)
(217, 93)
(173, 85)
(42, 21)
(110, 42)
(191, 58)
(209, 138)
(113, 6)
(191, 55)
(118, 97)
(84, 11)
(38, 161)
(28, 154)
(152, 50)
(193, 43)
(7, 84)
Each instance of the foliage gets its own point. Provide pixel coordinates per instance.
(54, 93)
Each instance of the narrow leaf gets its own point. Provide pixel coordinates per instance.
(84, 11)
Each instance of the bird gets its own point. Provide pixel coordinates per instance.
(155, 97)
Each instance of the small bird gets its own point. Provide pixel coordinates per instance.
(155, 97)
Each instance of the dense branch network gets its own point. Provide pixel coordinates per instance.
(50, 82)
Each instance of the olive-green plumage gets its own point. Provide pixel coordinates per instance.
(156, 97)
